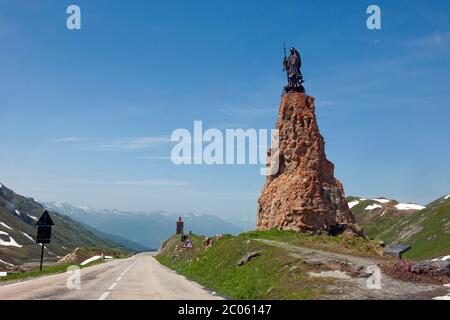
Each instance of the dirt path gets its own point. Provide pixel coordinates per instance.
(352, 286)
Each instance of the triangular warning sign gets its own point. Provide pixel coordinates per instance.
(188, 244)
(45, 220)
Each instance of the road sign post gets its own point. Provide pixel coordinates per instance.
(44, 232)
(42, 256)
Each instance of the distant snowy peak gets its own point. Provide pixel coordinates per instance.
(78, 211)
(74, 210)
(86, 208)
(447, 196)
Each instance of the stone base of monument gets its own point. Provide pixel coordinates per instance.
(303, 195)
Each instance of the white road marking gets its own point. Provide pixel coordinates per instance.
(112, 286)
(104, 296)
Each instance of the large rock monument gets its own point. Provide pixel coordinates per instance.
(303, 195)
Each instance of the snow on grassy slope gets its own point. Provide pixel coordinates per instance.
(382, 200)
(10, 243)
(409, 206)
(5, 225)
(6, 263)
(353, 203)
(92, 259)
(28, 236)
(373, 207)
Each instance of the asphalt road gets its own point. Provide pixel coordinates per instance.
(140, 277)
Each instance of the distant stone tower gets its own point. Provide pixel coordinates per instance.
(304, 195)
(180, 226)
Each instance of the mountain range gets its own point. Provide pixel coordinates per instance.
(18, 217)
(144, 230)
(426, 228)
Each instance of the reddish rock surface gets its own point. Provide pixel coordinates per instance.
(303, 195)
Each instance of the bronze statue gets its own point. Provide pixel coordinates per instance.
(292, 65)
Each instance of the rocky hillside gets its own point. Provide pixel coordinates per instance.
(18, 216)
(143, 229)
(427, 229)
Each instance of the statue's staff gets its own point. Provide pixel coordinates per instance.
(285, 62)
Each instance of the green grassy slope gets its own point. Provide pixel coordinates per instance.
(428, 231)
(273, 275)
(82, 254)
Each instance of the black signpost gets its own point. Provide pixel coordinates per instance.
(44, 232)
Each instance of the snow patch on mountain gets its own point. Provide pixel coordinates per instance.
(28, 236)
(353, 203)
(447, 196)
(409, 206)
(34, 218)
(380, 200)
(445, 258)
(6, 226)
(94, 258)
(373, 207)
(10, 243)
(6, 263)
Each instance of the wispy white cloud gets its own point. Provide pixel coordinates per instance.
(70, 139)
(154, 158)
(437, 38)
(116, 144)
(134, 143)
(139, 183)
(153, 183)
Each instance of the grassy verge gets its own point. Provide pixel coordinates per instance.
(82, 254)
(46, 270)
(274, 274)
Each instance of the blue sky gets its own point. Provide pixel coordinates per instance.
(85, 115)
